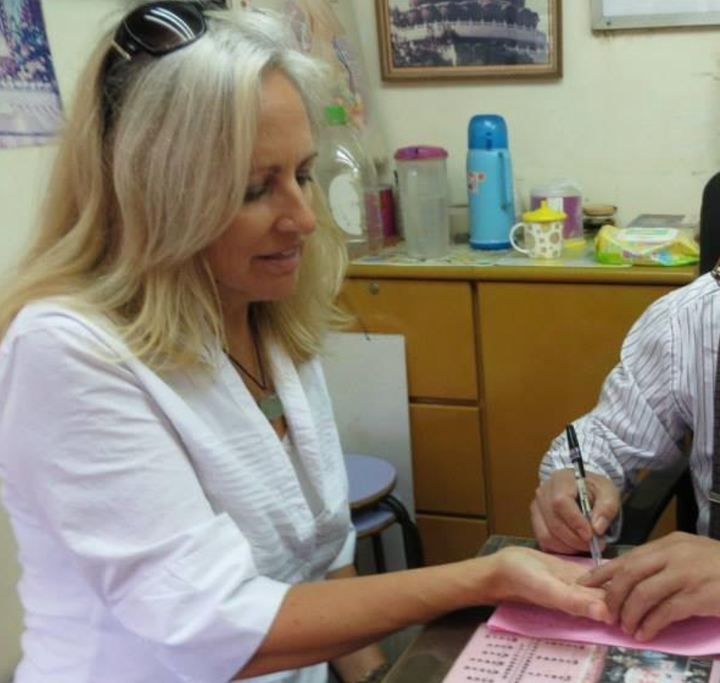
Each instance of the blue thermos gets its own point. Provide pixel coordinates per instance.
(491, 201)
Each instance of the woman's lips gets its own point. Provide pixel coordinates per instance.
(282, 261)
(281, 255)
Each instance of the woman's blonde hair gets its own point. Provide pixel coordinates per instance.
(131, 209)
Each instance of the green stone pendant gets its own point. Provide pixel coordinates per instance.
(271, 406)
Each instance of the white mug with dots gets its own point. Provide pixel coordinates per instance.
(543, 230)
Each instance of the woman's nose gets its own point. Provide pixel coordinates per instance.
(299, 215)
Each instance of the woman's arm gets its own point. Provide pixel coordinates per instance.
(357, 665)
(322, 621)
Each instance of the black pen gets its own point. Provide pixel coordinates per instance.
(579, 468)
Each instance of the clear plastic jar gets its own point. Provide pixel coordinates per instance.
(422, 186)
(565, 196)
(348, 178)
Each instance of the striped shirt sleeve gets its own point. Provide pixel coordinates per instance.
(637, 422)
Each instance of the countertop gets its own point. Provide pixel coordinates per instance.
(465, 263)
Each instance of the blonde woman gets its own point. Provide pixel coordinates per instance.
(170, 463)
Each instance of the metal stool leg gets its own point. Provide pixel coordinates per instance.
(379, 553)
(414, 556)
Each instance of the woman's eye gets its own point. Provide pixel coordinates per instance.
(255, 192)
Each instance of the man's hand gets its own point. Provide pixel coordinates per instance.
(664, 581)
(557, 521)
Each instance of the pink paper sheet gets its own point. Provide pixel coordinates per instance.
(697, 636)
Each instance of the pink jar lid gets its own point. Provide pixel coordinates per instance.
(419, 152)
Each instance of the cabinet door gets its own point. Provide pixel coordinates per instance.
(447, 459)
(449, 539)
(546, 349)
(436, 319)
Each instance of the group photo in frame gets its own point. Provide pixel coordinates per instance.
(441, 39)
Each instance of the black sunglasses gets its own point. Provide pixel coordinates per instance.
(158, 28)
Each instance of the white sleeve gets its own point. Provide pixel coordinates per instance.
(639, 421)
(314, 368)
(346, 556)
(110, 479)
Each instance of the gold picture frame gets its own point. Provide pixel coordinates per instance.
(469, 39)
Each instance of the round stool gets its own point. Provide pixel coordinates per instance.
(374, 509)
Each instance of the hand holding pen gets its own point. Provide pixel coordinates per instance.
(580, 481)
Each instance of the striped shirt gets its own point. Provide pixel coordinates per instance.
(662, 389)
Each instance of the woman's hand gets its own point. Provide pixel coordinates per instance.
(525, 575)
(656, 584)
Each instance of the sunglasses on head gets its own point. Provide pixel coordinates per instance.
(159, 28)
(156, 29)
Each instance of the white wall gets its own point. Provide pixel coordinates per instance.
(635, 118)
(74, 27)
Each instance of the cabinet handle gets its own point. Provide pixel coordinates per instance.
(374, 288)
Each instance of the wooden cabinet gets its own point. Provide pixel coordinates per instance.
(448, 539)
(545, 351)
(499, 360)
(447, 467)
(436, 319)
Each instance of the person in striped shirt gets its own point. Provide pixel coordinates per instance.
(662, 389)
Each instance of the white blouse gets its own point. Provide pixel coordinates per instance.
(159, 520)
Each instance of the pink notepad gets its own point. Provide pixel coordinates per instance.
(696, 636)
(496, 656)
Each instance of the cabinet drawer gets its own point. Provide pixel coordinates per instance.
(436, 319)
(449, 539)
(447, 459)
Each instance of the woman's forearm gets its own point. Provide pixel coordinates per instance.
(321, 621)
(357, 665)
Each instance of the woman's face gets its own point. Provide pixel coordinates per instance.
(258, 257)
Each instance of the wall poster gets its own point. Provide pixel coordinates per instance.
(30, 107)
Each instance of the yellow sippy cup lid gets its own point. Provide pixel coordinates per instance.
(544, 214)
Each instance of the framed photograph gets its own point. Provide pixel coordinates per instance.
(440, 39)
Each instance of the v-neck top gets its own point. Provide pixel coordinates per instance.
(160, 521)
(313, 500)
